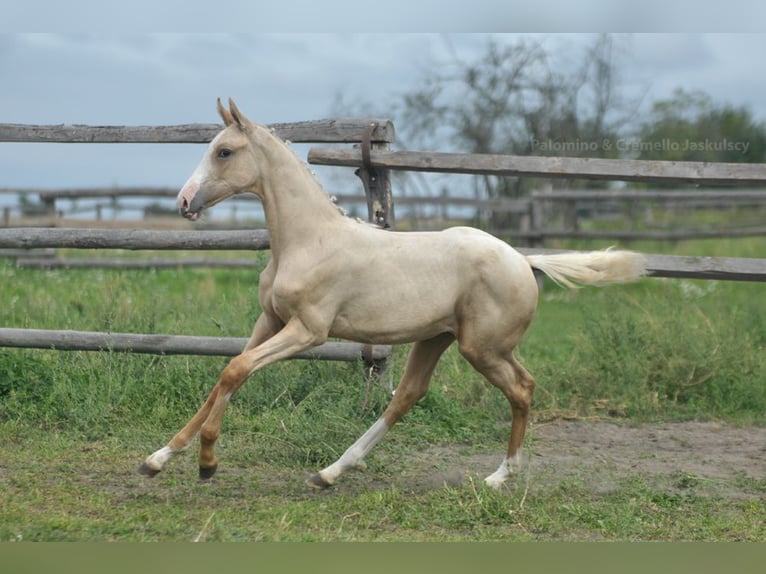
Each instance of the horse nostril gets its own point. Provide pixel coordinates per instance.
(184, 206)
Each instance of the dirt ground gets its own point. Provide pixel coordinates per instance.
(708, 457)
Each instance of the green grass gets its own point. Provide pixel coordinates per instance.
(673, 349)
(65, 488)
(75, 425)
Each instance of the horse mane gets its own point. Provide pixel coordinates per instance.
(332, 198)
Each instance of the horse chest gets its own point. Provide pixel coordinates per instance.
(298, 294)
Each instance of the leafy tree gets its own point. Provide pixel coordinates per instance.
(523, 99)
(690, 126)
(512, 99)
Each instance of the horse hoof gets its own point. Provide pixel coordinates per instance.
(317, 482)
(206, 473)
(147, 470)
(494, 484)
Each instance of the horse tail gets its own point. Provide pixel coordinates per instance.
(591, 268)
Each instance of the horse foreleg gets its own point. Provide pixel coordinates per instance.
(414, 384)
(156, 461)
(264, 347)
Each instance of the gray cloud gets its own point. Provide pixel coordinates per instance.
(175, 78)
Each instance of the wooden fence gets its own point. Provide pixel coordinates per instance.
(729, 268)
(172, 344)
(702, 173)
(553, 214)
(370, 133)
(637, 210)
(372, 160)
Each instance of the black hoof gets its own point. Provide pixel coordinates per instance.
(207, 473)
(317, 482)
(146, 470)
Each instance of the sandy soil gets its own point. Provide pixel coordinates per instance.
(711, 458)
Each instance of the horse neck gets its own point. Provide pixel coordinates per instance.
(296, 207)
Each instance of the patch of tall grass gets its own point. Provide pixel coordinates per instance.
(660, 349)
(669, 349)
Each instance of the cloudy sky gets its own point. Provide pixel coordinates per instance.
(171, 78)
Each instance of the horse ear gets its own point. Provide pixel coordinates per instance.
(225, 114)
(238, 116)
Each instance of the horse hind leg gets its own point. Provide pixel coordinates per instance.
(518, 386)
(519, 394)
(420, 366)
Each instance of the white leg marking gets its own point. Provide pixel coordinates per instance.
(160, 458)
(355, 454)
(508, 467)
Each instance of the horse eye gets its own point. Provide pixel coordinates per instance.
(224, 153)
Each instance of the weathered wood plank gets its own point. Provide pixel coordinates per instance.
(496, 204)
(658, 235)
(28, 253)
(337, 130)
(124, 263)
(692, 195)
(107, 192)
(690, 267)
(168, 344)
(733, 268)
(134, 239)
(550, 167)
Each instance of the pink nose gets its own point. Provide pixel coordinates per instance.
(186, 195)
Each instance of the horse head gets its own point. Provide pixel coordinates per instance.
(226, 169)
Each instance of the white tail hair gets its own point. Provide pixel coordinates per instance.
(591, 268)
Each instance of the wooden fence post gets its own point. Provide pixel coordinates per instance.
(49, 205)
(377, 183)
(570, 216)
(537, 219)
(380, 211)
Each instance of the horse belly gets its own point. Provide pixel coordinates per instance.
(392, 320)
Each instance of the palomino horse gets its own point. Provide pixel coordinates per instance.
(459, 284)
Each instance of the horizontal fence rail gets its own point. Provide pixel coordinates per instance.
(628, 235)
(98, 192)
(133, 239)
(549, 167)
(172, 344)
(730, 268)
(532, 228)
(693, 267)
(52, 262)
(696, 195)
(338, 130)
(756, 196)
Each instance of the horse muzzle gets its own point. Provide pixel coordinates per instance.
(191, 200)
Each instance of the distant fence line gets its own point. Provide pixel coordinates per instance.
(731, 268)
(532, 214)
